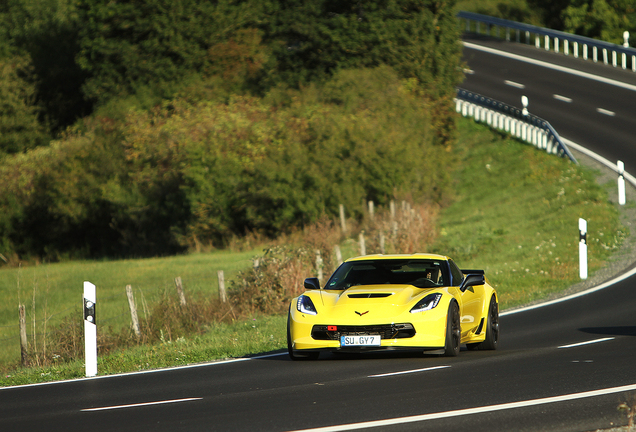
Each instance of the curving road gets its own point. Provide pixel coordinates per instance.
(563, 366)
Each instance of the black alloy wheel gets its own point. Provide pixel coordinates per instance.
(492, 329)
(453, 331)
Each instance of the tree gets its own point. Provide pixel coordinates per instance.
(20, 129)
(601, 19)
(130, 44)
(550, 12)
(419, 39)
(47, 31)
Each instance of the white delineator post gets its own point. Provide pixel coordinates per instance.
(583, 248)
(621, 182)
(90, 330)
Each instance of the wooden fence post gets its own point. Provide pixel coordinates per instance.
(222, 294)
(319, 264)
(338, 254)
(133, 311)
(182, 299)
(371, 210)
(24, 357)
(382, 242)
(343, 223)
(363, 248)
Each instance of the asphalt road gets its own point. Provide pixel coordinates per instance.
(566, 366)
(598, 115)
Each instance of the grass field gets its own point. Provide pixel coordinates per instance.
(515, 214)
(50, 292)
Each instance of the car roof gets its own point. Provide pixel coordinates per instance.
(418, 255)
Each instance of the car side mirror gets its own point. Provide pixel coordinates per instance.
(312, 283)
(472, 280)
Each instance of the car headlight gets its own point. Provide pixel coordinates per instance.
(427, 303)
(305, 305)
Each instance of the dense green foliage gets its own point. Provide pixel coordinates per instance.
(599, 19)
(20, 129)
(213, 119)
(187, 173)
(149, 127)
(603, 19)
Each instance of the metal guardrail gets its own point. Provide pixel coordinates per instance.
(606, 52)
(523, 125)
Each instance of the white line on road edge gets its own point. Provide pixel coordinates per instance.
(572, 296)
(562, 98)
(551, 66)
(167, 369)
(469, 411)
(587, 342)
(606, 112)
(409, 371)
(598, 158)
(514, 84)
(141, 404)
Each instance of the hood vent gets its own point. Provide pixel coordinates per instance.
(369, 295)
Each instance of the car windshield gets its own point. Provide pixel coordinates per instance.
(422, 273)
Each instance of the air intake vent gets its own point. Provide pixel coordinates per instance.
(369, 295)
(386, 331)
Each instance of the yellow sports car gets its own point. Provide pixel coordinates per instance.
(418, 302)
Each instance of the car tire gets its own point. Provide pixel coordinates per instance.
(294, 354)
(492, 327)
(453, 331)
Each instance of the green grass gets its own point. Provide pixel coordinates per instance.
(515, 214)
(257, 335)
(51, 292)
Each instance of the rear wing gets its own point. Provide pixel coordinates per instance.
(476, 272)
(466, 272)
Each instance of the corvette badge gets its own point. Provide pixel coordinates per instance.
(362, 313)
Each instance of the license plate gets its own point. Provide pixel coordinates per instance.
(368, 340)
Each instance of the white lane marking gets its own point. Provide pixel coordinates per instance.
(141, 404)
(587, 342)
(514, 84)
(469, 411)
(606, 112)
(408, 371)
(562, 98)
(551, 66)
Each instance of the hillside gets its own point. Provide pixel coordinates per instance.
(525, 238)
